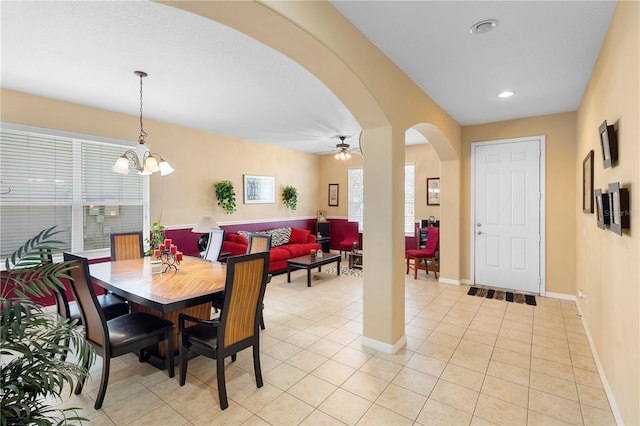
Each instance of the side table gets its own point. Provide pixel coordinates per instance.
(355, 259)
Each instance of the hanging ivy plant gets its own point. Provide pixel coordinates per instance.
(226, 196)
(290, 197)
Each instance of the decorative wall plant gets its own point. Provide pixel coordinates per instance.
(290, 197)
(226, 196)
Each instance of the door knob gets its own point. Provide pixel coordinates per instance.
(479, 224)
(479, 232)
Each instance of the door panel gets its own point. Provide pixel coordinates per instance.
(507, 215)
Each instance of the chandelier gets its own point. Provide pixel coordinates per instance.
(343, 150)
(146, 162)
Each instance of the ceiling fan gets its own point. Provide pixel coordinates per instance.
(344, 149)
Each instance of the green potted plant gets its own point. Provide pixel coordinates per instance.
(226, 196)
(290, 197)
(157, 237)
(34, 343)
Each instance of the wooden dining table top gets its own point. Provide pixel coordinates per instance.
(195, 282)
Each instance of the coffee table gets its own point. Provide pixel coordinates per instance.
(305, 262)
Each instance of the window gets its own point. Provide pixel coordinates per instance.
(356, 198)
(409, 200)
(68, 182)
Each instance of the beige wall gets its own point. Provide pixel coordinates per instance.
(607, 264)
(561, 205)
(200, 159)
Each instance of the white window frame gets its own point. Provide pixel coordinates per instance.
(77, 203)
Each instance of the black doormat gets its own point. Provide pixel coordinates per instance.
(502, 295)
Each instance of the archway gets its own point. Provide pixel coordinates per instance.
(384, 101)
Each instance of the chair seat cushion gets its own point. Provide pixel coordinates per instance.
(136, 326)
(205, 336)
(113, 306)
(420, 253)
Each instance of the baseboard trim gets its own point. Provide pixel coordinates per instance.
(607, 389)
(561, 296)
(466, 282)
(443, 280)
(384, 347)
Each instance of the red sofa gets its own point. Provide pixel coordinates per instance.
(301, 242)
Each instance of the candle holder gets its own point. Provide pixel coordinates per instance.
(169, 255)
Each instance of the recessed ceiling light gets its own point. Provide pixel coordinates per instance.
(483, 26)
(506, 94)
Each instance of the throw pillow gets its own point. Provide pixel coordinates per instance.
(244, 236)
(298, 236)
(279, 236)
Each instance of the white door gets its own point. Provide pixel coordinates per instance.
(506, 228)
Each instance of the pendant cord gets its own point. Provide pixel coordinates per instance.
(143, 134)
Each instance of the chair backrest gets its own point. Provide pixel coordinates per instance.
(214, 246)
(351, 230)
(259, 243)
(126, 245)
(62, 303)
(92, 316)
(243, 296)
(433, 238)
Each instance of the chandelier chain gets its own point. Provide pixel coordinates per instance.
(143, 134)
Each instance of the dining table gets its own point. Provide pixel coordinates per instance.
(188, 289)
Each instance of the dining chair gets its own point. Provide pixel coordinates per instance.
(127, 333)
(216, 237)
(258, 243)
(426, 254)
(112, 305)
(351, 235)
(238, 325)
(126, 245)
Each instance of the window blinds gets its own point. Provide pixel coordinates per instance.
(65, 182)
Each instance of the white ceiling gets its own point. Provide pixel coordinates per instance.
(207, 76)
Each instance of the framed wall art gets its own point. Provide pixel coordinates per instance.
(322, 216)
(587, 183)
(259, 189)
(333, 194)
(619, 205)
(608, 143)
(602, 208)
(433, 191)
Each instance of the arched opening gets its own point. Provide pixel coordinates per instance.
(313, 34)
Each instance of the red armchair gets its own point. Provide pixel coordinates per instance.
(427, 253)
(351, 235)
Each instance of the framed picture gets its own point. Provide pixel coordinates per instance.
(602, 208)
(619, 205)
(608, 143)
(322, 215)
(433, 191)
(587, 183)
(333, 194)
(259, 189)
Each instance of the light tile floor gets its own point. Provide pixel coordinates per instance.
(468, 360)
